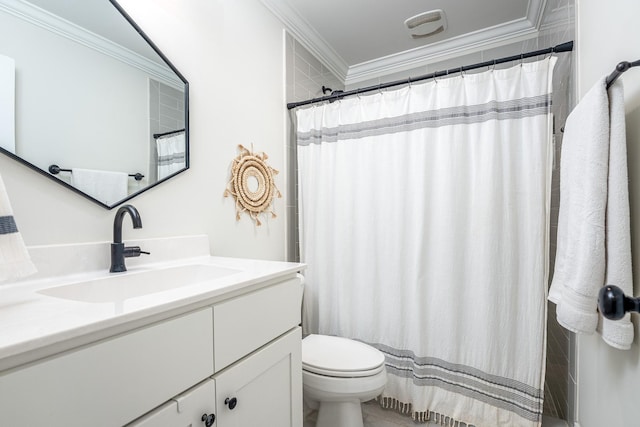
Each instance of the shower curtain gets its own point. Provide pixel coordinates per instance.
(424, 218)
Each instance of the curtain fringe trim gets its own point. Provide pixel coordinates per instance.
(419, 416)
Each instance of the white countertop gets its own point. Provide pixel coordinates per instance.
(34, 325)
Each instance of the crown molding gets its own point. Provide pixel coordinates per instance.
(50, 22)
(511, 32)
(308, 37)
(487, 38)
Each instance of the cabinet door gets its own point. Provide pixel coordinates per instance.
(266, 386)
(185, 410)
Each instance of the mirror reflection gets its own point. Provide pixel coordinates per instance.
(85, 99)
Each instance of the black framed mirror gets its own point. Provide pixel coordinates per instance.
(87, 99)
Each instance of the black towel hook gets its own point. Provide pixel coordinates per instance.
(620, 68)
(613, 303)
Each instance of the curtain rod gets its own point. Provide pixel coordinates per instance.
(564, 47)
(158, 135)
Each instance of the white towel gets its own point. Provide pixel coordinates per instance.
(7, 103)
(593, 225)
(105, 186)
(618, 334)
(14, 257)
(171, 154)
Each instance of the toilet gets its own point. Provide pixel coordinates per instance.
(338, 374)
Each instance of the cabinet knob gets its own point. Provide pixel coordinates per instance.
(231, 402)
(208, 420)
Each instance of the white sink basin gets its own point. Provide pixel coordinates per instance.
(122, 286)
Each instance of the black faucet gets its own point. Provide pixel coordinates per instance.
(118, 251)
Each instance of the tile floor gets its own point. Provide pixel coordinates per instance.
(375, 416)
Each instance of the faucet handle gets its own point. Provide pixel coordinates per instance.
(134, 251)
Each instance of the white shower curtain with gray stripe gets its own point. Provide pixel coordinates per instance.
(424, 215)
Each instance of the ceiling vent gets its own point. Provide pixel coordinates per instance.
(426, 24)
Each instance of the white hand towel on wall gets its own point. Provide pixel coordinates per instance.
(106, 186)
(594, 246)
(14, 258)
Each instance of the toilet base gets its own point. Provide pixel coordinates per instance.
(340, 414)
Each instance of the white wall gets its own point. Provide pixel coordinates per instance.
(231, 52)
(608, 379)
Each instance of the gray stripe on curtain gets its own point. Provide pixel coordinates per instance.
(493, 110)
(8, 225)
(172, 158)
(495, 390)
(466, 389)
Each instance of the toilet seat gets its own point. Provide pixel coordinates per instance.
(340, 357)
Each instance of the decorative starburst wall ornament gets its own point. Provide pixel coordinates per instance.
(252, 184)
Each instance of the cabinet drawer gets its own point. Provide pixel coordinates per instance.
(246, 323)
(114, 381)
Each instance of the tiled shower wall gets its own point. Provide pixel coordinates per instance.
(305, 77)
(166, 107)
(305, 74)
(166, 114)
(557, 27)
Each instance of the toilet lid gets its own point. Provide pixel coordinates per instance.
(340, 357)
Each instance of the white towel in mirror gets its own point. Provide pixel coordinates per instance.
(106, 186)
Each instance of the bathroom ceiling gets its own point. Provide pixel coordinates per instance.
(357, 39)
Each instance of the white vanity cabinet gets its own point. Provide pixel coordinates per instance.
(237, 357)
(263, 389)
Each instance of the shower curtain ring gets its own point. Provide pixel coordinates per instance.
(461, 72)
(521, 59)
(493, 67)
(409, 81)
